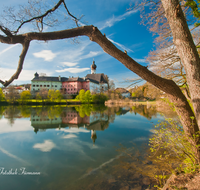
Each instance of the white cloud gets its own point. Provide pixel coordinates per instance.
(13, 156)
(8, 48)
(111, 21)
(69, 64)
(17, 126)
(120, 45)
(92, 54)
(47, 55)
(70, 136)
(47, 146)
(73, 70)
(74, 130)
(25, 75)
(140, 60)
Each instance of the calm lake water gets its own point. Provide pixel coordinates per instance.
(82, 147)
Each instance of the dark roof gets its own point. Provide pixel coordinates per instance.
(97, 78)
(76, 79)
(98, 125)
(45, 78)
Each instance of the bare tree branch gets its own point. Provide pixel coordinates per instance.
(5, 30)
(39, 19)
(20, 64)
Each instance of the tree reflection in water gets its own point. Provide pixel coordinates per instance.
(134, 170)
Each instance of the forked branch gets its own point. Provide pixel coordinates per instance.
(41, 17)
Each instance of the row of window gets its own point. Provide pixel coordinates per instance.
(70, 85)
(43, 85)
(44, 119)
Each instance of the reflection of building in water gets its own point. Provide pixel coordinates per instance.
(73, 117)
(93, 136)
(43, 122)
(94, 122)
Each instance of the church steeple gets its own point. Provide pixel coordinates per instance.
(93, 67)
(36, 75)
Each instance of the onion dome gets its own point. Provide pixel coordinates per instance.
(93, 66)
(36, 75)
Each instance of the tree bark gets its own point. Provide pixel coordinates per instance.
(186, 49)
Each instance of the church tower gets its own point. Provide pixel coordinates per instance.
(93, 67)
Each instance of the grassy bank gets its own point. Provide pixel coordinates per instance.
(41, 102)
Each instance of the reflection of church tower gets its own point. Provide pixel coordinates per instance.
(93, 67)
(36, 130)
(93, 136)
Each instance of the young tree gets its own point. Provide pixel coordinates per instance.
(82, 95)
(38, 96)
(58, 95)
(2, 96)
(12, 95)
(182, 39)
(88, 96)
(25, 95)
(43, 93)
(51, 95)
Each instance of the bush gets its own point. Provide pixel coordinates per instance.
(170, 142)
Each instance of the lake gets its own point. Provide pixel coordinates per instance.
(81, 147)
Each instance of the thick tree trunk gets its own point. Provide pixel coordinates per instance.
(186, 49)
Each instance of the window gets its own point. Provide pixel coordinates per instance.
(40, 85)
(45, 85)
(33, 85)
(37, 85)
(55, 85)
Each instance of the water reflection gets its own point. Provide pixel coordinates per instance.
(43, 119)
(59, 143)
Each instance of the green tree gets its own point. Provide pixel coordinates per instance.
(58, 95)
(195, 9)
(81, 95)
(25, 95)
(54, 95)
(38, 96)
(133, 94)
(2, 96)
(88, 96)
(51, 95)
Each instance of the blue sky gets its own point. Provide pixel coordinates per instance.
(64, 58)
